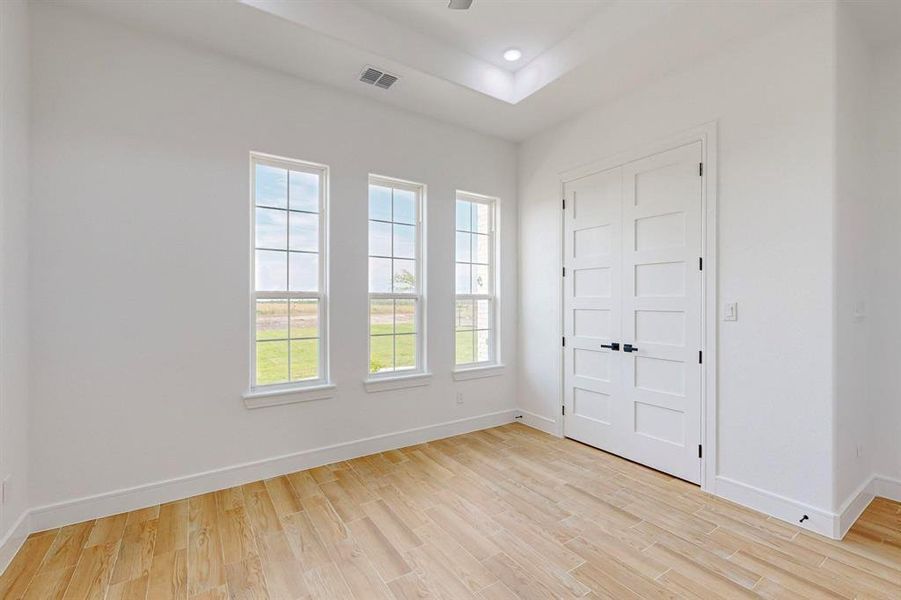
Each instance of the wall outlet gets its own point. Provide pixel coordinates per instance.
(459, 397)
(4, 489)
(859, 450)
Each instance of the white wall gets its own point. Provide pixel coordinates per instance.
(854, 413)
(773, 98)
(884, 353)
(138, 255)
(139, 272)
(14, 313)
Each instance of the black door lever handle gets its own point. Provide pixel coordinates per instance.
(612, 346)
(629, 348)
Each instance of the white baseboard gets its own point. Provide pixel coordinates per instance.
(790, 511)
(49, 516)
(887, 487)
(123, 500)
(834, 525)
(853, 507)
(14, 538)
(538, 422)
(877, 486)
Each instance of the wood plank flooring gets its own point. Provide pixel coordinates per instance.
(503, 514)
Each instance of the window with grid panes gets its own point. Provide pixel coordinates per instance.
(289, 299)
(395, 274)
(476, 303)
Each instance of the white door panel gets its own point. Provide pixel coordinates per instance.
(592, 318)
(633, 242)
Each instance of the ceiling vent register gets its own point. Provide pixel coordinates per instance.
(377, 78)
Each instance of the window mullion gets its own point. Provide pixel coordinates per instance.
(288, 257)
(290, 378)
(288, 295)
(393, 296)
(393, 323)
(391, 233)
(474, 296)
(475, 331)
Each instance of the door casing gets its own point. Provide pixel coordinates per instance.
(707, 135)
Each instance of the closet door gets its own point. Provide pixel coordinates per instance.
(592, 316)
(661, 303)
(641, 401)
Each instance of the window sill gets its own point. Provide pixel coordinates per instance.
(293, 395)
(466, 374)
(399, 382)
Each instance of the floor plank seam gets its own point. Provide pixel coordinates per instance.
(43, 561)
(112, 568)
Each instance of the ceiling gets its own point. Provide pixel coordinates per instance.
(489, 28)
(576, 53)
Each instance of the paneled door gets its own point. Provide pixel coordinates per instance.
(633, 302)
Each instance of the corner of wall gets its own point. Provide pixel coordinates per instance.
(12, 541)
(15, 101)
(852, 181)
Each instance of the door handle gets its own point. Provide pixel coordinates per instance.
(612, 346)
(629, 348)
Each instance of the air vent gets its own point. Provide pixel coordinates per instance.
(386, 81)
(377, 78)
(370, 75)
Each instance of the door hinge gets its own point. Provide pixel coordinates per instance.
(564, 271)
(700, 357)
(564, 341)
(700, 451)
(700, 263)
(564, 409)
(564, 203)
(701, 169)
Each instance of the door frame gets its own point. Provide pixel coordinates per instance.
(705, 133)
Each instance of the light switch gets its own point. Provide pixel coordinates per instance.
(730, 311)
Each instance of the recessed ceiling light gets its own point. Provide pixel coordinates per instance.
(512, 55)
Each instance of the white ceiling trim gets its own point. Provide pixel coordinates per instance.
(600, 37)
(373, 33)
(604, 31)
(622, 46)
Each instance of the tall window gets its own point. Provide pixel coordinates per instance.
(395, 277)
(476, 307)
(289, 290)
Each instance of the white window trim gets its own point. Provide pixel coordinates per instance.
(311, 389)
(493, 366)
(397, 382)
(391, 380)
(479, 372)
(288, 395)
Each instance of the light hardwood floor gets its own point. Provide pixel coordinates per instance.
(504, 513)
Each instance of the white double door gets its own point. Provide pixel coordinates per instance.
(633, 302)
